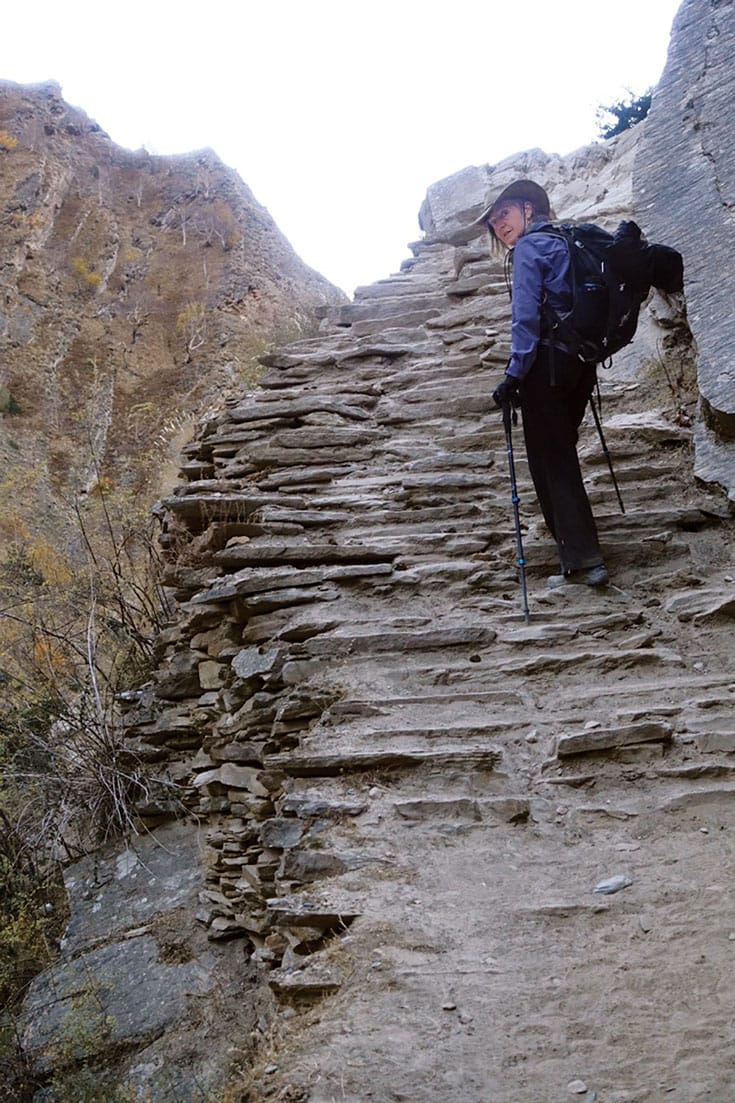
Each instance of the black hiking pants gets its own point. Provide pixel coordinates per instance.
(551, 419)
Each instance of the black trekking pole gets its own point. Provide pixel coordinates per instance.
(506, 407)
(606, 452)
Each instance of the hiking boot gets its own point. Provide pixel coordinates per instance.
(588, 576)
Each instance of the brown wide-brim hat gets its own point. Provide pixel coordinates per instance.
(527, 190)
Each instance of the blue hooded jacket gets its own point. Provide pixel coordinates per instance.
(541, 273)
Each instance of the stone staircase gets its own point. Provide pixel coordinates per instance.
(411, 793)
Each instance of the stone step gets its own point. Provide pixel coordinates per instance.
(504, 662)
(395, 287)
(439, 413)
(302, 517)
(324, 436)
(298, 406)
(201, 510)
(275, 587)
(301, 911)
(634, 472)
(237, 555)
(264, 455)
(305, 476)
(687, 518)
(311, 982)
(403, 324)
(613, 738)
(475, 309)
(345, 761)
(696, 771)
(433, 701)
(337, 353)
(635, 497)
(430, 639)
(409, 737)
(719, 738)
(439, 374)
(617, 548)
(705, 604)
(412, 304)
(437, 810)
(459, 521)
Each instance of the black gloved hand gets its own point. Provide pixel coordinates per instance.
(506, 392)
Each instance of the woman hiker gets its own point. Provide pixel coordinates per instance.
(551, 385)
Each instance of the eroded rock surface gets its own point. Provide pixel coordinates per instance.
(684, 183)
(136, 972)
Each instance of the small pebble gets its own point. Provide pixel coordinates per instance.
(374, 792)
(731, 936)
(593, 724)
(270, 1069)
(475, 659)
(532, 737)
(613, 884)
(449, 1005)
(704, 830)
(591, 1097)
(698, 666)
(577, 1087)
(645, 923)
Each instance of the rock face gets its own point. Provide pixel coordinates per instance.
(410, 799)
(136, 290)
(134, 969)
(593, 180)
(684, 184)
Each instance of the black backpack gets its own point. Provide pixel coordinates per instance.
(611, 276)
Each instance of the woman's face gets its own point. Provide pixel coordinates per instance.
(510, 221)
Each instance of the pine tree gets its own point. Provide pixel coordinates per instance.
(623, 114)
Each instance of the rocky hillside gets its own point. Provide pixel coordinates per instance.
(404, 845)
(136, 291)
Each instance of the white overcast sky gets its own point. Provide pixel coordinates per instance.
(339, 114)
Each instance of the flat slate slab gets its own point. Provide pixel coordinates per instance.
(121, 994)
(116, 890)
(608, 739)
(296, 764)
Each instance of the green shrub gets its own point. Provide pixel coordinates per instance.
(623, 114)
(86, 276)
(8, 404)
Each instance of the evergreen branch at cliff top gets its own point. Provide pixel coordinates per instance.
(616, 117)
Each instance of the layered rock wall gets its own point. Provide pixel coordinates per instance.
(684, 188)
